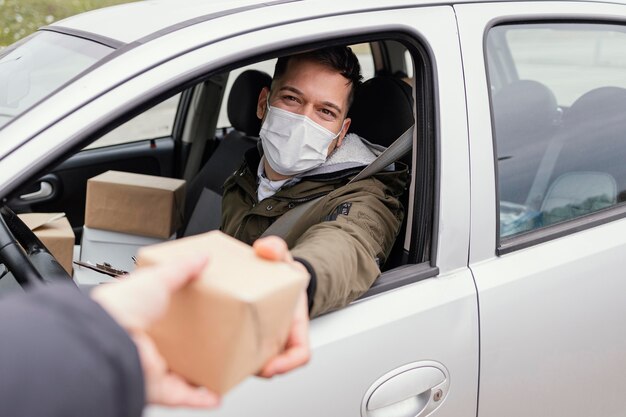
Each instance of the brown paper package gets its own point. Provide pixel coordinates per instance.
(225, 326)
(56, 235)
(138, 204)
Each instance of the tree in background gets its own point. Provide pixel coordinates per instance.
(20, 18)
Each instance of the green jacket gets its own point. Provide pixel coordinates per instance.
(342, 239)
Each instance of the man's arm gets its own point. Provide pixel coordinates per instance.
(61, 354)
(344, 252)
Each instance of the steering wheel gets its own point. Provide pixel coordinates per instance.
(25, 255)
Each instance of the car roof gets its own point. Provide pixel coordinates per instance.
(143, 20)
(131, 22)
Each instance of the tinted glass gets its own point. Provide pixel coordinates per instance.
(558, 103)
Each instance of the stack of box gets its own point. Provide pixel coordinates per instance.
(125, 211)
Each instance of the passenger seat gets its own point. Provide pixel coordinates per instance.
(589, 172)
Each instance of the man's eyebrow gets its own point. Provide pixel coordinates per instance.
(290, 88)
(332, 105)
(325, 103)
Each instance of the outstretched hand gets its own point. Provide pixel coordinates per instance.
(154, 286)
(297, 352)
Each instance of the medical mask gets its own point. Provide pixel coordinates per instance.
(293, 143)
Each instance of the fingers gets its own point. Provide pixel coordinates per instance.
(164, 387)
(290, 359)
(297, 352)
(176, 392)
(272, 248)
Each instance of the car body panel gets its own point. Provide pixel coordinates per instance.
(353, 347)
(550, 314)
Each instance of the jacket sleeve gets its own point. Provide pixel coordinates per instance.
(344, 252)
(62, 355)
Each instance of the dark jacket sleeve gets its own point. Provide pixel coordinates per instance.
(62, 355)
(343, 255)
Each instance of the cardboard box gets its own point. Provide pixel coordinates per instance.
(114, 248)
(228, 324)
(138, 204)
(54, 231)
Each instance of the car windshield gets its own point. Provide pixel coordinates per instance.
(34, 68)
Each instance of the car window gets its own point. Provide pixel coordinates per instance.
(558, 100)
(157, 122)
(43, 62)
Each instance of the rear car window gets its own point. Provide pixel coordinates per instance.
(558, 104)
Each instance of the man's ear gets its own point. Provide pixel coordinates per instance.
(261, 105)
(344, 131)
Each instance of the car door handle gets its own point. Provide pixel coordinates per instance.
(413, 390)
(45, 191)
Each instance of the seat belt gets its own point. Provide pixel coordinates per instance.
(395, 151)
(206, 215)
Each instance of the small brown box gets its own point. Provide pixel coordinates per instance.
(56, 233)
(138, 204)
(228, 324)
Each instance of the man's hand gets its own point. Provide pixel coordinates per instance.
(135, 303)
(297, 352)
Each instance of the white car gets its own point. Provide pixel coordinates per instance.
(507, 288)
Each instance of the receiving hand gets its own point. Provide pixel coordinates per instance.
(297, 352)
(154, 286)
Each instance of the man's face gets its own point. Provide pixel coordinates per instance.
(313, 90)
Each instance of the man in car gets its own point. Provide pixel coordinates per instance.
(306, 153)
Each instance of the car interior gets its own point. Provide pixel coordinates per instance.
(204, 150)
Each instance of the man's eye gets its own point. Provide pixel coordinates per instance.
(290, 98)
(328, 113)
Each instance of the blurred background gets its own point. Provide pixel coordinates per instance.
(19, 18)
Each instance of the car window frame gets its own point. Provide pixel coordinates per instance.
(408, 273)
(509, 244)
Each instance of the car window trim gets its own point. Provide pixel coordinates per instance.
(399, 277)
(102, 40)
(555, 231)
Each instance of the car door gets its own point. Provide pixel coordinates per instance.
(377, 356)
(549, 265)
(147, 144)
(411, 349)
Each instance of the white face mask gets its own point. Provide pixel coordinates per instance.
(293, 143)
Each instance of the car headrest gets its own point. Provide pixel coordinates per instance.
(593, 137)
(598, 110)
(242, 101)
(524, 108)
(382, 110)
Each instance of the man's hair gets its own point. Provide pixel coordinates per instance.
(339, 58)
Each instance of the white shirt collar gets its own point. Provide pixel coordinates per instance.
(267, 187)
